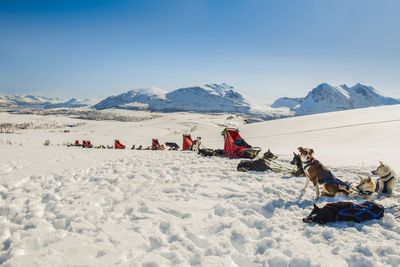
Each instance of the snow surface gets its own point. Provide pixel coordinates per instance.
(65, 206)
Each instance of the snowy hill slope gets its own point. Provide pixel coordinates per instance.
(327, 98)
(207, 98)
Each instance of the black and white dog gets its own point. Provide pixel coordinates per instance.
(259, 165)
(345, 211)
(172, 146)
(296, 161)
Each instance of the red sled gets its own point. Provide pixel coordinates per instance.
(89, 144)
(187, 142)
(236, 147)
(155, 145)
(118, 145)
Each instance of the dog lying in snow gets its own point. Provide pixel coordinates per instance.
(172, 146)
(365, 188)
(318, 174)
(387, 181)
(260, 165)
(208, 152)
(345, 211)
(296, 161)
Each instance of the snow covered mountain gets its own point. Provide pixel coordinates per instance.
(32, 101)
(206, 98)
(150, 98)
(327, 98)
(217, 98)
(287, 102)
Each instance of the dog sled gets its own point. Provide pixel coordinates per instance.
(155, 145)
(86, 144)
(118, 145)
(236, 147)
(187, 142)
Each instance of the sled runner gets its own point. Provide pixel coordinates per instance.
(236, 147)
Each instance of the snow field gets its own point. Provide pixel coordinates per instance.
(63, 206)
(171, 208)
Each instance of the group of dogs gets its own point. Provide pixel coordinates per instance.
(316, 173)
(319, 175)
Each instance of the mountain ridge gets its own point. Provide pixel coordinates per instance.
(328, 98)
(216, 98)
(204, 98)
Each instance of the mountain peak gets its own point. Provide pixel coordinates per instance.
(155, 91)
(205, 98)
(326, 98)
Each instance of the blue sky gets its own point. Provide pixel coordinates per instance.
(266, 49)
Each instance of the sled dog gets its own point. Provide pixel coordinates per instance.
(387, 180)
(318, 174)
(260, 165)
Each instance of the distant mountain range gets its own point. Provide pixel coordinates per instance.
(217, 98)
(31, 101)
(206, 98)
(327, 98)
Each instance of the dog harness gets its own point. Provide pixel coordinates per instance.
(365, 193)
(324, 180)
(385, 183)
(361, 210)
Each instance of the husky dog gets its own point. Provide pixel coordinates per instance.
(296, 161)
(318, 174)
(260, 165)
(345, 211)
(172, 146)
(387, 180)
(366, 186)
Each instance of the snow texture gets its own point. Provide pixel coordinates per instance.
(65, 206)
